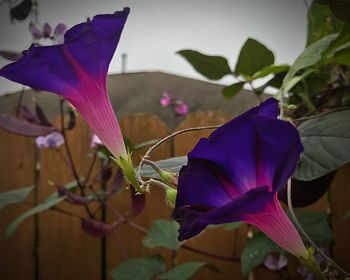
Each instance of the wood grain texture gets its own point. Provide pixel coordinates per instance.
(16, 171)
(340, 197)
(139, 128)
(66, 252)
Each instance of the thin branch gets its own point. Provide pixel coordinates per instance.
(70, 157)
(92, 164)
(306, 236)
(160, 142)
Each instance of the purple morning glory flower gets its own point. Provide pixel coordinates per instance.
(77, 70)
(235, 174)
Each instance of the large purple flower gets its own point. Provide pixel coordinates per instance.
(235, 174)
(77, 70)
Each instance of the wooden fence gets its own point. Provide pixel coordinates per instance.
(66, 252)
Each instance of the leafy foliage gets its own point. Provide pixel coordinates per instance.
(183, 271)
(326, 141)
(211, 67)
(315, 225)
(139, 269)
(163, 233)
(253, 57)
(230, 91)
(49, 202)
(255, 251)
(321, 22)
(14, 196)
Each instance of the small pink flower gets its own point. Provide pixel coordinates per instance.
(181, 109)
(178, 106)
(165, 101)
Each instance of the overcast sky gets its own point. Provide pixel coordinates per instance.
(157, 29)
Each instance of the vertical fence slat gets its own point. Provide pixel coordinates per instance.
(340, 197)
(66, 252)
(16, 171)
(139, 128)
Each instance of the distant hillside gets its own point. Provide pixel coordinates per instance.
(141, 92)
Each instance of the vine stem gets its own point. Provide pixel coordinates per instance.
(306, 236)
(160, 142)
(70, 157)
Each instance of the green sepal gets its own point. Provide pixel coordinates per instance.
(170, 196)
(168, 178)
(129, 172)
(311, 263)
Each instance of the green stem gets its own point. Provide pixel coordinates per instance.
(36, 217)
(306, 98)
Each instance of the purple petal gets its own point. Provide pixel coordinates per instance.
(52, 140)
(93, 43)
(43, 68)
(276, 261)
(279, 153)
(58, 33)
(193, 218)
(254, 149)
(47, 30)
(36, 33)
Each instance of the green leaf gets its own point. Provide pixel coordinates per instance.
(163, 233)
(139, 269)
(271, 69)
(230, 91)
(326, 141)
(342, 57)
(14, 196)
(211, 67)
(255, 251)
(315, 224)
(340, 8)
(183, 271)
(340, 43)
(290, 84)
(172, 165)
(253, 57)
(321, 22)
(310, 56)
(49, 202)
(232, 226)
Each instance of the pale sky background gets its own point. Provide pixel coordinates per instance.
(157, 29)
